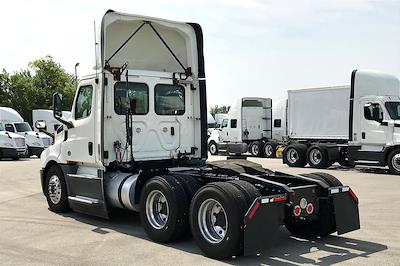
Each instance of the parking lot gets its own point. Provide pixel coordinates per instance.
(31, 234)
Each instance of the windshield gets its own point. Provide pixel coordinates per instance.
(22, 127)
(393, 110)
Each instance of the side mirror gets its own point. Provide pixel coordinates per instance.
(40, 124)
(58, 108)
(57, 105)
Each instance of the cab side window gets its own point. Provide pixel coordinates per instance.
(373, 111)
(224, 123)
(83, 105)
(9, 128)
(234, 123)
(277, 123)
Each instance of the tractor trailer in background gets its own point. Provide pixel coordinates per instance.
(247, 127)
(11, 145)
(137, 140)
(13, 122)
(353, 125)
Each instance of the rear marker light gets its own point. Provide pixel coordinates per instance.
(310, 208)
(313, 190)
(279, 198)
(254, 209)
(296, 210)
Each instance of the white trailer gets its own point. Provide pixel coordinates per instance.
(351, 125)
(52, 124)
(137, 140)
(247, 128)
(13, 122)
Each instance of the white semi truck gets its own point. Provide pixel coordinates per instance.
(352, 125)
(11, 145)
(137, 140)
(247, 127)
(52, 124)
(13, 122)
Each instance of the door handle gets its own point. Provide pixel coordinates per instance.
(363, 135)
(172, 131)
(90, 148)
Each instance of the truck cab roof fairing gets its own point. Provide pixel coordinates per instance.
(145, 50)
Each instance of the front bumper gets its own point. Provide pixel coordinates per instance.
(35, 150)
(9, 153)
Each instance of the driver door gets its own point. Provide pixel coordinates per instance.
(373, 133)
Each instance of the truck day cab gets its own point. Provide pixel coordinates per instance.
(352, 125)
(13, 122)
(246, 128)
(137, 140)
(11, 145)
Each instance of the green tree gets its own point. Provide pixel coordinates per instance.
(218, 110)
(33, 88)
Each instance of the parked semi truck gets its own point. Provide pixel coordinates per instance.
(11, 145)
(13, 122)
(43, 115)
(137, 140)
(246, 128)
(352, 125)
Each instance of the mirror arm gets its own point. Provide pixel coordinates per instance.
(47, 133)
(68, 124)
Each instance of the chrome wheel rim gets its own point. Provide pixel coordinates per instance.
(54, 189)
(213, 148)
(292, 155)
(212, 220)
(157, 209)
(396, 162)
(255, 149)
(268, 150)
(315, 156)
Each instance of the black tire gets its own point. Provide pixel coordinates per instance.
(269, 149)
(394, 162)
(213, 148)
(249, 191)
(317, 157)
(295, 155)
(51, 185)
(234, 204)
(189, 184)
(255, 148)
(177, 221)
(325, 224)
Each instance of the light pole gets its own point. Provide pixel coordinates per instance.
(76, 72)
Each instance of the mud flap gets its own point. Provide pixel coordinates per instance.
(262, 222)
(345, 205)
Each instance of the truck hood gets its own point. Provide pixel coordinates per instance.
(141, 43)
(11, 134)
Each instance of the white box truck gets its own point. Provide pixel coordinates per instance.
(13, 122)
(351, 125)
(137, 140)
(246, 128)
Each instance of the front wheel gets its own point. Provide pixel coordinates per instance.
(213, 148)
(56, 190)
(394, 162)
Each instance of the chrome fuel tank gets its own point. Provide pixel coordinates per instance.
(120, 190)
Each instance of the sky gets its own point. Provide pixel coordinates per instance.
(252, 48)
